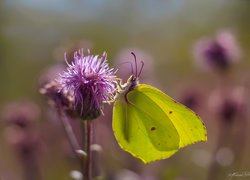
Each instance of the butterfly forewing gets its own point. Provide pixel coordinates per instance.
(154, 121)
(189, 126)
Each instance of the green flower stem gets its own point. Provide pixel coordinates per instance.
(87, 141)
(70, 134)
(89, 154)
(69, 131)
(215, 168)
(30, 166)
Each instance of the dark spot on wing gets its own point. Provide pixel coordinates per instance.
(153, 128)
(170, 112)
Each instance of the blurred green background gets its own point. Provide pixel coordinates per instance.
(32, 31)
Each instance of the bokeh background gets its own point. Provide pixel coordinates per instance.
(35, 34)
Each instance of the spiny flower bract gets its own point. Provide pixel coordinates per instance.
(91, 82)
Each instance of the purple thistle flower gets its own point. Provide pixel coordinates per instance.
(21, 113)
(228, 104)
(91, 82)
(218, 53)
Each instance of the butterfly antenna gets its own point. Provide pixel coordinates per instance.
(142, 65)
(132, 68)
(135, 63)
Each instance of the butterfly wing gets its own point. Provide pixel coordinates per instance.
(152, 126)
(188, 124)
(143, 128)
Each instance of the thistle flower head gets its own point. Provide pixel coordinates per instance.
(21, 113)
(191, 99)
(218, 53)
(91, 82)
(228, 104)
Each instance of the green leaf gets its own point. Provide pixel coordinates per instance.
(152, 126)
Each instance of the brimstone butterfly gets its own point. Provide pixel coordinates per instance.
(149, 124)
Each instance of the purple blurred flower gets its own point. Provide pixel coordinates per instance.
(21, 113)
(228, 104)
(217, 54)
(191, 99)
(91, 82)
(22, 134)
